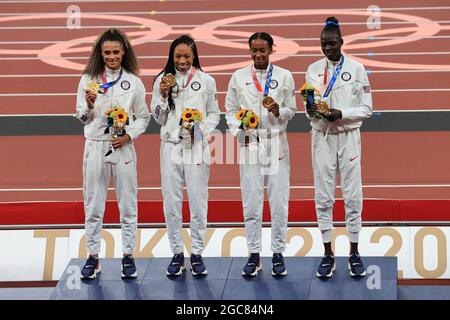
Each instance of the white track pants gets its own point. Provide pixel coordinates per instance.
(96, 175)
(337, 153)
(252, 192)
(174, 174)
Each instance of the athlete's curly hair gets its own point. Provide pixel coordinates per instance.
(96, 65)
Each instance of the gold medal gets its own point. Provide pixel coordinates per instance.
(93, 87)
(323, 108)
(170, 79)
(267, 101)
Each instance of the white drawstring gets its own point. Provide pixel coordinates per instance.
(326, 132)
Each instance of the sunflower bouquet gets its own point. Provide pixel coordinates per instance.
(249, 119)
(190, 120)
(312, 96)
(117, 119)
(305, 87)
(189, 117)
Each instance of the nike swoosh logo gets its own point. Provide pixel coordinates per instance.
(127, 162)
(320, 74)
(281, 158)
(247, 83)
(353, 158)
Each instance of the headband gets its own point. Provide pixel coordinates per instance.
(331, 23)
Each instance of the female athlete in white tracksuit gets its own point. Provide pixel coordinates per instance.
(125, 89)
(184, 161)
(246, 89)
(336, 142)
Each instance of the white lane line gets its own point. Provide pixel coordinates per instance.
(208, 12)
(42, 75)
(237, 25)
(89, 1)
(221, 56)
(412, 90)
(244, 40)
(406, 110)
(391, 186)
(38, 115)
(37, 94)
(406, 71)
(219, 92)
(71, 115)
(77, 75)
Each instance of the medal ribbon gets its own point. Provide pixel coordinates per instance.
(268, 79)
(191, 75)
(107, 85)
(333, 79)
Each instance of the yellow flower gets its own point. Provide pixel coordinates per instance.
(187, 115)
(113, 111)
(120, 116)
(190, 115)
(253, 121)
(197, 115)
(305, 87)
(240, 114)
(249, 118)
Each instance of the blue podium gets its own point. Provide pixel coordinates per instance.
(225, 282)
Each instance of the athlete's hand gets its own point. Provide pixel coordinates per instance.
(275, 109)
(312, 111)
(164, 88)
(119, 142)
(333, 115)
(90, 97)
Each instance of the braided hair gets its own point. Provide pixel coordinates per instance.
(261, 35)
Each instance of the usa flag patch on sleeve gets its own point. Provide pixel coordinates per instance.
(157, 111)
(366, 89)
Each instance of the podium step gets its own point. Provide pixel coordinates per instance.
(424, 292)
(225, 282)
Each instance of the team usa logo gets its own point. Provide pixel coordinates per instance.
(273, 84)
(346, 76)
(196, 85)
(125, 85)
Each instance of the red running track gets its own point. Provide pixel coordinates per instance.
(388, 158)
(410, 58)
(396, 165)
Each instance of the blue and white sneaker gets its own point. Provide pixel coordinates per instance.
(278, 267)
(128, 267)
(356, 266)
(176, 266)
(253, 265)
(326, 267)
(198, 268)
(91, 268)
